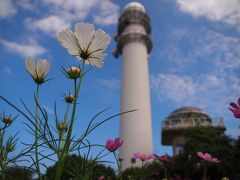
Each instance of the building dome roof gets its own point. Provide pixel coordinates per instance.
(187, 117)
(187, 111)
(134, 6)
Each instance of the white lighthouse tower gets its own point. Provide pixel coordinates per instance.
(134, 44)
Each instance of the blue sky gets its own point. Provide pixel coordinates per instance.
(195, 60)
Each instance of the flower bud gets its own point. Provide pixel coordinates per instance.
(69, 99)
(120, 159)
(10, 147)
(73, 72)
(7, 120)
(62, 127)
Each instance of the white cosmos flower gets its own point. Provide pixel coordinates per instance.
(38, 71)
(85, 43)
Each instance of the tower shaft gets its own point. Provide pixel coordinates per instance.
(135, 127)
(134, 44)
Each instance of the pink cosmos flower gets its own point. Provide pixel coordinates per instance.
(101, 178)
(208, 157)
(235, 109)
(163, 158)
(142, 157)
(113, 145)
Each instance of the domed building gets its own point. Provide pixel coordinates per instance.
(182, 119)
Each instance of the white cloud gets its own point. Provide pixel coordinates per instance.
(61, 14)
(108, 13)
(110, 84)
(227, 11)
(51, 24)
(25, 4)
(208, 92)
(202, 70)
(32, 48)
(7, 9)
(75, 9)
(227, 51)
(207, 48)
(173, 87)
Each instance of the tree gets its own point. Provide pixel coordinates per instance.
(18, 173)
(77, 167)
(150, 171)
(236, 154)
(213, 141)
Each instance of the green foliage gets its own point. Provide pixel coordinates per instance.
(134, 173)
(8, 156)
(101, 170)
(78, 168)
(189, 165)
(213, 141)
(18, 173)
(236, 155)
(150, 171)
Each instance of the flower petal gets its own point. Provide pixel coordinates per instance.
(235, 106)
(30, 65)
(239, 101)
(215, 160)
(118, 142)
(200, 154)
(237, 115)
(84, 33)
(111, 145)
(69, 41)
(95, 59)
(207, 156)
(100, 42)
(95, 62)
(136, 155)
(98, 55)
(48, 66)
(235, 111)
(155, 156)
(43, 68)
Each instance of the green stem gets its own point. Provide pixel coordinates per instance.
(3, 154)
(3, 134)
(165, 172)
(65, 150)
(119, 166)
(205, 172)
(66, 114)
(61, 141)
(76, 92)
(36, 134)
(59, 145)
